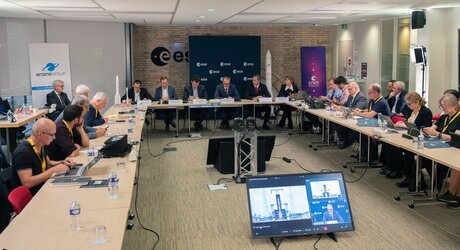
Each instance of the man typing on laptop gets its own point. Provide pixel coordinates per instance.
(31, 166)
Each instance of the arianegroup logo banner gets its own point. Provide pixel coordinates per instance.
(313, 66)
(48, 62)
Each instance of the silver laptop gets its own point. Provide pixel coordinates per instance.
(81, 170)
(347, 112)
(389, 122)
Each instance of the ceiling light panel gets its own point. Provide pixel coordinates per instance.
(55, 3)
(190, 10)
(159, 19)
(355, 6)
(253, 19)
(288, 7)
(138, 5)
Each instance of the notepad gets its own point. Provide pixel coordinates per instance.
(96, 184)
(70, 181)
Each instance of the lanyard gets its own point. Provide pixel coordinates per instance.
(451, 120)
(97, 111)
(68, 128)
(414, 113)
(376, 101)
(41, 158)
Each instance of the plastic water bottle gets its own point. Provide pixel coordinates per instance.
(420, 141)
(384, 126)
(336, 136)
(113, 185)
(74, 215)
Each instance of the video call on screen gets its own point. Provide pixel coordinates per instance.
(298, 204)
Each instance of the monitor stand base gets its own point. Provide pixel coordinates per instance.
(332, 236)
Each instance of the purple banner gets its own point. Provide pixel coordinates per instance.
(313, 66)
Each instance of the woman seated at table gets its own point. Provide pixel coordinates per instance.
(447, 123)
(419, 115)
(288, 89)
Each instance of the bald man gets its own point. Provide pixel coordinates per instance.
(31, 166)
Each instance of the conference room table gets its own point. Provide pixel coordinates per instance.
(209, 105)
(437, 155)
(21, 119)
(45, 222)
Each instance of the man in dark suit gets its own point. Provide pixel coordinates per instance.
(356, 99)
(57, 97)
(255, 91)
(396, 100)
(136, 93)
(227, 90)
(163, 94)
(94, 117)
(331, 215)
(196, 91)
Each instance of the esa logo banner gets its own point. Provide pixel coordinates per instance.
(161, 56)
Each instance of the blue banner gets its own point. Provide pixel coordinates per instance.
(213, 57)
(313, 67)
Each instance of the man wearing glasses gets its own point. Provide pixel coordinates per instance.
(377, 104)
(31, 166)
(57, 97)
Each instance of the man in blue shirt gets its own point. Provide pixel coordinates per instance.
(334, 91)
(377, 104)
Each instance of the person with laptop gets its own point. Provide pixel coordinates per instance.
(163, 94)
(419, 115)
(255, 91)
(288, 89)
(334, 91)
(31, 165)
(377, 105)
(192, 91)
(94, 117)
(341, 82)
(356, 99)
(227, 90)
(70, 135)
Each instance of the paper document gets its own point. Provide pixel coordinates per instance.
(213, 187)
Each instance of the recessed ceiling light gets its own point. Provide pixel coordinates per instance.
(202, 16)
(363, 20)
(336, 24)
(210, 10)
(197, 21)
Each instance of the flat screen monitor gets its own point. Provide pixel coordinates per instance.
(298, 204)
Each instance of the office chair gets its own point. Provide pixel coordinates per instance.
(19, 198)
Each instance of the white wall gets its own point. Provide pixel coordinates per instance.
(440, 36)
(366, 40)
(97, 53)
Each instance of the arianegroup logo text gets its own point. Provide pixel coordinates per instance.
(49, 70)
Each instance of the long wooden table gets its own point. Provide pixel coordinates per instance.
(45, 222)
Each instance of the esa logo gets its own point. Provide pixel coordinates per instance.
(214, 72)
(200, 64)
(222, 64)
(237, 71)
(247, 64)
(160, 56)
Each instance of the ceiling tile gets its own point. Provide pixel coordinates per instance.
(55, 3)
(138, 5)
(253, 18)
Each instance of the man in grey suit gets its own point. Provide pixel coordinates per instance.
(195, 90)
(356, 99)
(163, 94)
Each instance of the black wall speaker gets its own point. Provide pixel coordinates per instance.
(418, 19)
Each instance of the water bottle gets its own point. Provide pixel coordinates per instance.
(74, 215)
(384, 126)
(336, 136)
(113, 185)
(420, 140)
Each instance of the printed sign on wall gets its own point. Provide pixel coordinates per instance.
(48, 62)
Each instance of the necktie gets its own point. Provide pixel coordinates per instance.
(332, 94)
(226, 90)
(60, 99)
(257, 90)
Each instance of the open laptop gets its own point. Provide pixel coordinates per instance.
(347, 112)
(389, 122)
(80, 170)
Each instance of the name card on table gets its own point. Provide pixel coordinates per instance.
(265, 99)
(282, 99)
(200, 101)
(175, 102)
(227, 100)
(214, 101)
(144, 103)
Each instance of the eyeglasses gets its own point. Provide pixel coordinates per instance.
(409, 103)
(52, 135)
